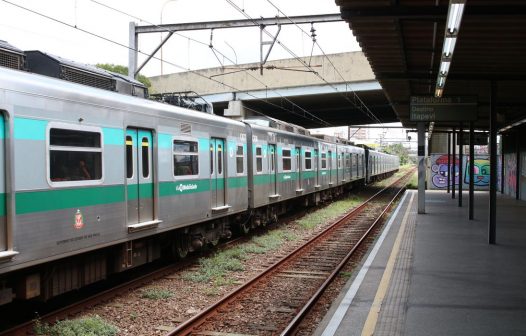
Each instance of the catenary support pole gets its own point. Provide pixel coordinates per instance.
(421, 127)
(492, 227)
(471, 170)
(132, 51)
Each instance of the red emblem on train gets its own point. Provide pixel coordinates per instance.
(79, 220)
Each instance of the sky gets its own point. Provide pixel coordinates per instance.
(29, 31)
(102, 31)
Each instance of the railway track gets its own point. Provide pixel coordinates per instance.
(276, 301)
(299, 272)
(81, 305)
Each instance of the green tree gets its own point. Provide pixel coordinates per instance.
(124, 71)
(399, 150)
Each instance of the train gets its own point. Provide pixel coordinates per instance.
(95, 182)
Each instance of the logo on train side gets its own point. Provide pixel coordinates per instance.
(183, 187)
(79, 220)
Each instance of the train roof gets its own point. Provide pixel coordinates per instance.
(6, 46)
(21, 81)
(262, 127)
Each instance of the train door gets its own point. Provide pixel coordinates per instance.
(329, 166)
(139, 174)
(316, 170)
(298, 169)
(348, 166)
(273, 170)
(217, 172)
(341, 171)
(3, 221)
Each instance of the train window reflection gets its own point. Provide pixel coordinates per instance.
(259, 160)
(145, 157)
(287, 164)
(74, 155)
(308, 160)
(239, 160)
(129, 156)
(186, 157)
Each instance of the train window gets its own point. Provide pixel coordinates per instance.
(239, 160)
(287, 163)
(323, 160)
(259, 160)
(129, 156)
(145, 148)
(74, 155)
(340, 160)
(186, 157)
(219, 159)
(272, 159)
(211, 159)
(308, 160)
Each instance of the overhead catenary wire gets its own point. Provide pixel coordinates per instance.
(361, 103)
(214, 51)
(304, 115)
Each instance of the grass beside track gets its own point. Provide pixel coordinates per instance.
(218, 269)
(87, 326)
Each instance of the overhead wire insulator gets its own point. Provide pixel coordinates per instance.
(211, 46)
(313, 33)
(313, 36)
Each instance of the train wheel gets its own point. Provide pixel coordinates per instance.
(181, 247)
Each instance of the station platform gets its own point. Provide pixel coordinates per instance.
(436, 274)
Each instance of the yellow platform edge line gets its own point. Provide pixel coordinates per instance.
(374, 312)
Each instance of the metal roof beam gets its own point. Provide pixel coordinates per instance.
(323, 18)
(458, 76)
(395, 12)
(427, 12)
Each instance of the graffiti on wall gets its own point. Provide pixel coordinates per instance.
(440, 171)
(481, 172)
(510, 174)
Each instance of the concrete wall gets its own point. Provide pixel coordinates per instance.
(353, 66)
(439, 143)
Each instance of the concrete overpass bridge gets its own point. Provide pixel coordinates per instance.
(337, 90)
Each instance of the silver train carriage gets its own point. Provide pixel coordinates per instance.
(380, 165)
(95, 182)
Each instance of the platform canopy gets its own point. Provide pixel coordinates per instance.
(404, 39)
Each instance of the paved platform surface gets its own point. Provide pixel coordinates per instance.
(436, 274)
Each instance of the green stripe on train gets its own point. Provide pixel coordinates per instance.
(35, 201)
(183, 187)
(145, 191)
(58, 199)
(2, 205)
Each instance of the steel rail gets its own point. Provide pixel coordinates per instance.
(26, 328)
(187, 327)
(295, 323)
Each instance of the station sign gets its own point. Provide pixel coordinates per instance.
(427, 108)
